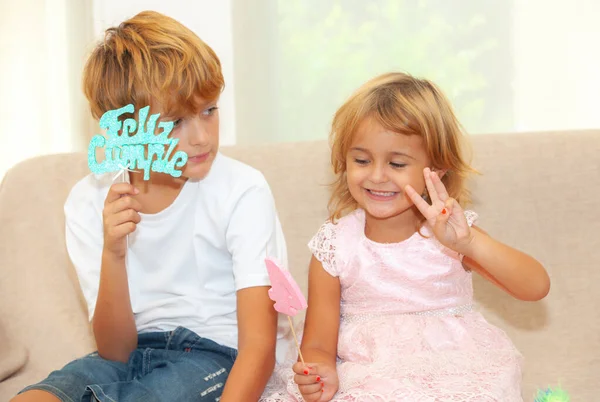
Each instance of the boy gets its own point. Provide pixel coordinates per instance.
(172, 268)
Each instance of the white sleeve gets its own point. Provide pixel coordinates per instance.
(253, 233)
(84, 240)
(471, 217)
(322, 245)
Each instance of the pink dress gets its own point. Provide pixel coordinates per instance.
(408, 330)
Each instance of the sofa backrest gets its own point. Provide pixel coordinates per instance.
(538, 192)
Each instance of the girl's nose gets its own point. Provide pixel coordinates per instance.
(378, 174)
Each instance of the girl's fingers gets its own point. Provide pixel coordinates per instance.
(419, 202)
(305, 369)
(301, 379)
(433, 195)
(311, 389)
(443, 217)
(439, 187)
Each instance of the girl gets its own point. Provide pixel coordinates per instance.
(390, 314)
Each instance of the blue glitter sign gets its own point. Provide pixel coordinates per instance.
(143, 150)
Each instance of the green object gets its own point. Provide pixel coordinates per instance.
(144, 150)
(552, 395)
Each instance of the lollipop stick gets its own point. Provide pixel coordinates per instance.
(296, 339)
(124, 180)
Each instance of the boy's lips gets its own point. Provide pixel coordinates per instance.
(198, 158)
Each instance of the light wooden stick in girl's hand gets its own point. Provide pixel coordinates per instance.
(286, 294)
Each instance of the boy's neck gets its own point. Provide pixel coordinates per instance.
(156, 180)
(393, 229)
(158, 193)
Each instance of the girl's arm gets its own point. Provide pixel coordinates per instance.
(512, 270)
(319, 342)
(318, 381)
(257, 337)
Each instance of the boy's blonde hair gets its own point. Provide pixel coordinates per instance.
(405, 105)
(151, 58)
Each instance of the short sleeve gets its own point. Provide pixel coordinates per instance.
(322, 245)
(471, 216)
(253, 233)
(84, 240)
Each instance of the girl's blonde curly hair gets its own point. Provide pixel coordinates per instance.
(406, 105)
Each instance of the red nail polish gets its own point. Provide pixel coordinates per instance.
(444, 211)
(318, 379)
(305, 371)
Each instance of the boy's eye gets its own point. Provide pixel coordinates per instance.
(361, 161)
(177, 122)
(209, 111)
(397, 165)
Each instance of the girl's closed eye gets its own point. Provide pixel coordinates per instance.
(361, 161)
(397, 165)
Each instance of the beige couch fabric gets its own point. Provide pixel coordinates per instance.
(538, 192)
(12, 354)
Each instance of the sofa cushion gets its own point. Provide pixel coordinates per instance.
(12, 354)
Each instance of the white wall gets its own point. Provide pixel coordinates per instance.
(43, 44)
(548, 51)
(42, 49)
(557, 64)
(22, 75)
(210, 20)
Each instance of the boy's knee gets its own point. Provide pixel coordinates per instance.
(35, 396)
(70, 382)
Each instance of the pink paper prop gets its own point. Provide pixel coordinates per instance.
(286, 294)
(284, 290)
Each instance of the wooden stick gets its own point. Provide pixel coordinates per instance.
(124, 180)
(296, 339)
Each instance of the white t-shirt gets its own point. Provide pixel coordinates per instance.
(185, 263)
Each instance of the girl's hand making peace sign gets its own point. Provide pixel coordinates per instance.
(445, 215)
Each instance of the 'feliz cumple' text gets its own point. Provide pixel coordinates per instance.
(128, 151)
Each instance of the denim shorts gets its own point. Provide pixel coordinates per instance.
(166, 366)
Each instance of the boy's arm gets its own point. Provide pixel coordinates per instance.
(101, 272)
(253, 234)
(113, 322)
(257, 336)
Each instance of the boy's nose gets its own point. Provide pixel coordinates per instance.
(198, 134)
